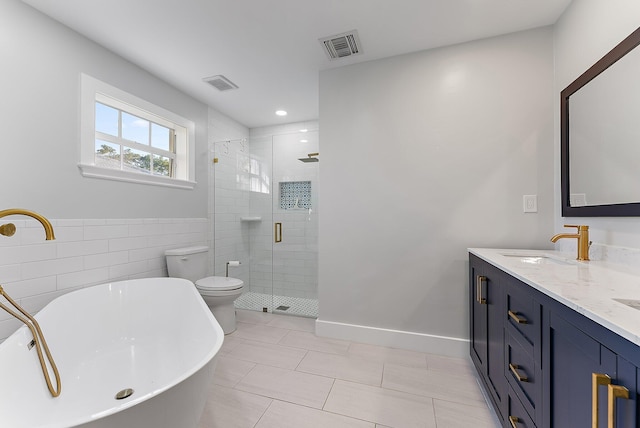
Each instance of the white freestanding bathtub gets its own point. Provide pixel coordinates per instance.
(155, 336)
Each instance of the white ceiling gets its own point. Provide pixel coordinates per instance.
(270, 48)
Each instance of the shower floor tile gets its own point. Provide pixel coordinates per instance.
(296, 305)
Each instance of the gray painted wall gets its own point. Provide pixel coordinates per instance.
(39, 109)
(424, 155)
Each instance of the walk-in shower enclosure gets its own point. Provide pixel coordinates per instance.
(266, 209)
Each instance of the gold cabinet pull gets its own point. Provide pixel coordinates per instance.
(513, 420)
(516, 373)
(614, 391)
(597, 379)
(278, 232)
(517, 318)
(480, 280)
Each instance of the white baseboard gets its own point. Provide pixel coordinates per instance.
(421, 342)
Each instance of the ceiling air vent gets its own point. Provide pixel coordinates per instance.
(342, 45)
(220, 82)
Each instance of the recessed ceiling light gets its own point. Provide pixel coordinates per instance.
(304, 141)
(303, 130)
(281, 113)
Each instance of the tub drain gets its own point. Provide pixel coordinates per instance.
(124, 394)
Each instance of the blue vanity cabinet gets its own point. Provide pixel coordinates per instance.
(487, 329)
(517, 416)
(539, 359)
(574, 359)
(627, 411)
(583, 359)
(523, 350)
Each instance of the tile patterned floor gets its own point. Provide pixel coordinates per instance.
(295, 305)
(273, 372)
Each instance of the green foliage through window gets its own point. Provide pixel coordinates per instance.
(126, 142)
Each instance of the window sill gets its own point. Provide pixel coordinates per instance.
(93, 171)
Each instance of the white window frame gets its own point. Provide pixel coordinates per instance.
(93, 90)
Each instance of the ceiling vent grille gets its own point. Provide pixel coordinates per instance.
(342, 45)
(220, 82)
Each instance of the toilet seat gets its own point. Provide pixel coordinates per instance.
(212, 285)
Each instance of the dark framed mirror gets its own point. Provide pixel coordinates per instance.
(600, 136)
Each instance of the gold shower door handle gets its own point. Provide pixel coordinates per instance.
(597, 379)
(615, 391)
(278, 232)
(514, 420)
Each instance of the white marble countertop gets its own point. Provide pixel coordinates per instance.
(588, 287)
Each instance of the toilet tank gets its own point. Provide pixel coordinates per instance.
(190, 263)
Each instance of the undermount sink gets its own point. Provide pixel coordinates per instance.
(635, 304)
(537, 259)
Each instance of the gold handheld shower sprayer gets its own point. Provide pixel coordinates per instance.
(39, 341)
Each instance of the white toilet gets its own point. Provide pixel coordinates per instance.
(218, 292)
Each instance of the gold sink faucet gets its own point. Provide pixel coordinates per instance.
(9, 229)
(583, 240)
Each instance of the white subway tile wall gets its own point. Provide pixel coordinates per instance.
(85, 253)
(224, 129)
(231, 202)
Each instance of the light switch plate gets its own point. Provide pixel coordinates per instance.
(530, 203)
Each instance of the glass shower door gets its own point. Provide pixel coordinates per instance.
(257, 231)
(295, 223)
(242, 215)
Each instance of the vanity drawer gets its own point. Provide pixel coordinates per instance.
(522, 311)
(517, 417)
(521, 371)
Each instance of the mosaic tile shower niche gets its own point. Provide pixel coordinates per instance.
(295, 194)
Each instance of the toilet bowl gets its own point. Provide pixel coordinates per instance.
(218, 292)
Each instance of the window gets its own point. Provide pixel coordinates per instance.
(126, 138)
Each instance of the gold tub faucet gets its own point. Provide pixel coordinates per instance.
(9, 229)
(583, 240)
(21, 314)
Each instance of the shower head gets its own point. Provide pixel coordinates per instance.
(311, 158)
